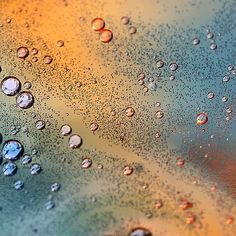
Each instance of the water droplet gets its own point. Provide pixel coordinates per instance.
(210, 35)
(226, 78)
(49, 205)
(172, 77)
(106, 35)
(129, 111)
(10, 85)
(141, 76)
(202, 118)
(125, 20)
(25, 100)
(159, 114)
(128, 170)
(86, 163)
(65, 130)
(35, 169)
(98, 24)
(18, 185)
(132, 30)
(34, 151)
(224, 99)
(210, 95)
(34, 51)
(94, 126)
(26, 159)
(140, 232)
(12, 150)
(229, 220)
(75, 141)
(213, 46)
(173, 66)
(196, 41)
(22, 52)
(40, 124)
(60, 43)
(160, 63)
(9, 169)
(27, 85)
(47, 59)
(55, 187)
(230, 67)
(152, 86)
(185, 204)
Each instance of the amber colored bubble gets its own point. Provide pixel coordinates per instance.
(98, 24)
(106, 36)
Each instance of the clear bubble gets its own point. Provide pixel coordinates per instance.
(140, 232)
(196, 41)
(65, 130)
(27, 85)
(202, 118)
(152, 86)
(18, 185)
(25, 100)
(125, 20)
(106, 35)
(75, 141)
(26, 159)
(22, 52)
(9, 169)
(60, 43)
(132, 30)
(35, 169)
(129, 111)
(159, 114)
(213, 46)
(12, 150)
(55, 187)
(47, 59)
(86, 163)
(173, 66)
(128, 170)
(40, 124)
(98, 24)
(10, 85)
(210, 95)
(93, 126)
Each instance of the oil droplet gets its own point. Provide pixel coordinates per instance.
(12, 150)
(10, 85)
(75, 141)
(65, 130)
(196, 41)
(18, 185)
(40, 124)
(25, 100)
(86, 163)
(173, 66)
(55, 187)
(47, 59)
(22, 52)
(60, 43)
(202, 118)
(210, 95)
(106, 35)
(140, 232)
(132, 30)
(98, 24)
(129, 111)
(9, 169)
(35, 169)
(128, 170)
(26, 159)
(125, 20)
(159, 114)
(94, 126)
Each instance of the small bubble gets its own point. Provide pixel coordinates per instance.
(35, 169)
(106, 35)
(8, 20)
(40, 124)
(226, 78)
(160, 63)
(180, 162)
(128, 170)
(129, 111)
(98, 24)
(35, 51)
(93, 126)
(159, 114)
(224, 99)
(27, 85)
(196, 41)
(26, 159)
(25, 100)
(65, 130)
(22, 52)
(234, 71)
(132, 30)
(190, 218)
(12, 150)
(202, 118)
(75, 141)
(55, 187)
(229, 220)
(141, 76)
(210, 35)
(185, 204)
(173, 66)
(18, 185)
(158, 204)
(34, 151)
(47, 59)
(86, 163)
(210, 95)
(229, 110)
(152, 86)
(213, 46)
(60, 43)
(172, 77)
(158, 135)
(49, 205)
(34, 59)
(9, 169)
(10, 85)
(125, 20)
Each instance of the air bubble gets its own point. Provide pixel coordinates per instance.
(210, 95)
(226, 78)
(213, 46)
(49, 205)
(10, 85)
(224, 99)
(128, 170)
(93, 126)
(210, 35)
(160, 63)
(26, 159)
(60, 43)
(159, 114)
(55, 187)
(25, 100)
(132, 30)
(173, 66)
(27, 85)
(196, 41)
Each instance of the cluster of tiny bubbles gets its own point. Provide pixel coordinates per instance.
(75, 141)
(25, 100)
(35, 169)
(86, 163)
(19, 185)
(10, 85)
(65, 130)
(159, 114)
(9, 168)
(22, 52)
(210, 95)
(47, 59)
(196, 41)
(93, 126)
(26, 159)
(201, 118)
(12, 150)
(129, 111)
(224, 99)
(40, 124)
(128, 170)
(55, 187)
(140, 232)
